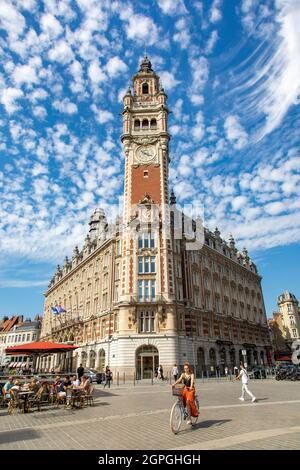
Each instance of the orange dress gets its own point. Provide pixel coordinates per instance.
(188, 395)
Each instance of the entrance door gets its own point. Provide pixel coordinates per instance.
(146, 361)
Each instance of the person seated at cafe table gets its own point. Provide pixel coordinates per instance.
(8, 386)
(34, 386)
(85, 385)
(16, 386)
(75, 381)
(44, 390)
(62, 387)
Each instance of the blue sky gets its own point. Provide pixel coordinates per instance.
(232, 73)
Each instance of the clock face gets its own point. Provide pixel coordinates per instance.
(145, 154)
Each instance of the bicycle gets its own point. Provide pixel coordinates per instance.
(179, 412)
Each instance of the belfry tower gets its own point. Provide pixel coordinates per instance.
(145, 139)
(147, 279)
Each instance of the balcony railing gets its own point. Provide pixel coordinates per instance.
(147, 299)
(66, 323)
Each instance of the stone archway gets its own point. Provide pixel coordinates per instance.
(212, 360)
(92, 359)
(147, 361)
(83, 359)
(223, 360)
(101, 360)
(255, 357)
(201, 366)
(232, 358)
(241, 357)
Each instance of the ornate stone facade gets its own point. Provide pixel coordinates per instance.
(285, 325)
(136, 295)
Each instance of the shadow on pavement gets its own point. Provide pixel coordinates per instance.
(18, 435)
(104, 393)
(210, 422)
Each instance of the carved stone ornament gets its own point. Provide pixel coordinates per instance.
(146, 199)
(144, 140)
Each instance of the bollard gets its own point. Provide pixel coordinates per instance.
(124, 378)
(152, 377)
(216, 375)
(117, 378)
(202, 377)
(134, 379)
(207, 374)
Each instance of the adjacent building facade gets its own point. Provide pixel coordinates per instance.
(147, 290)
(13, 332)
(285, 324)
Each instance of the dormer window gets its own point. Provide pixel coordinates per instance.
(145, 88)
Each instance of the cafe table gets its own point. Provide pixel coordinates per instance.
(25, 394)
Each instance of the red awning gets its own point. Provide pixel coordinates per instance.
(40, 347)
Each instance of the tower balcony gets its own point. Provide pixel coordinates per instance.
(157, 299)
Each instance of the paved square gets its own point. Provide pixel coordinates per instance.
(128, 417)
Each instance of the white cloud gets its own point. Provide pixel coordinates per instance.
(50, 25)
(11, 19)
(168, 80)
(25, 74)
(235, 133)
(200, 73)
(8, 98)
(140, 27)
(95, 73)
(238, 202)
(101, 115)
(182, 36)
(196, 99)
(39, 112)
(271, 84)
(172, 7)
(211, 42)
(274, 208)
(61, 53)
(215, 12)
(65, 106)
(198, 130)
(115, 66)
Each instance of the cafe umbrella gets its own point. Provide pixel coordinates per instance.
(38, 349)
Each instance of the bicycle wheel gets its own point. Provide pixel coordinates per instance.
(176, 418)
(195, 419)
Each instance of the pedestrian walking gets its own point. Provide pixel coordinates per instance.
(108, 377)
(226, 372)
(161, 373)
(236, 371)
(175, 372)
(80, 372)
(243, 375)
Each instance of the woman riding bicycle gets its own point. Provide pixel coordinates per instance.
(188, 395)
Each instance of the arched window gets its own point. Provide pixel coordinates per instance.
(145, 88)
(153, 124)
(137, 124)
(145, 124)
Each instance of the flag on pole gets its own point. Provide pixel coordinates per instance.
(60, 309)
(54, 310)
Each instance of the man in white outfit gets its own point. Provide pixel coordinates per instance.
(244, 376)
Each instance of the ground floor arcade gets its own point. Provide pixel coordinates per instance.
(140, 355)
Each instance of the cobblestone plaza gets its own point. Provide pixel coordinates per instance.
(128, 417)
